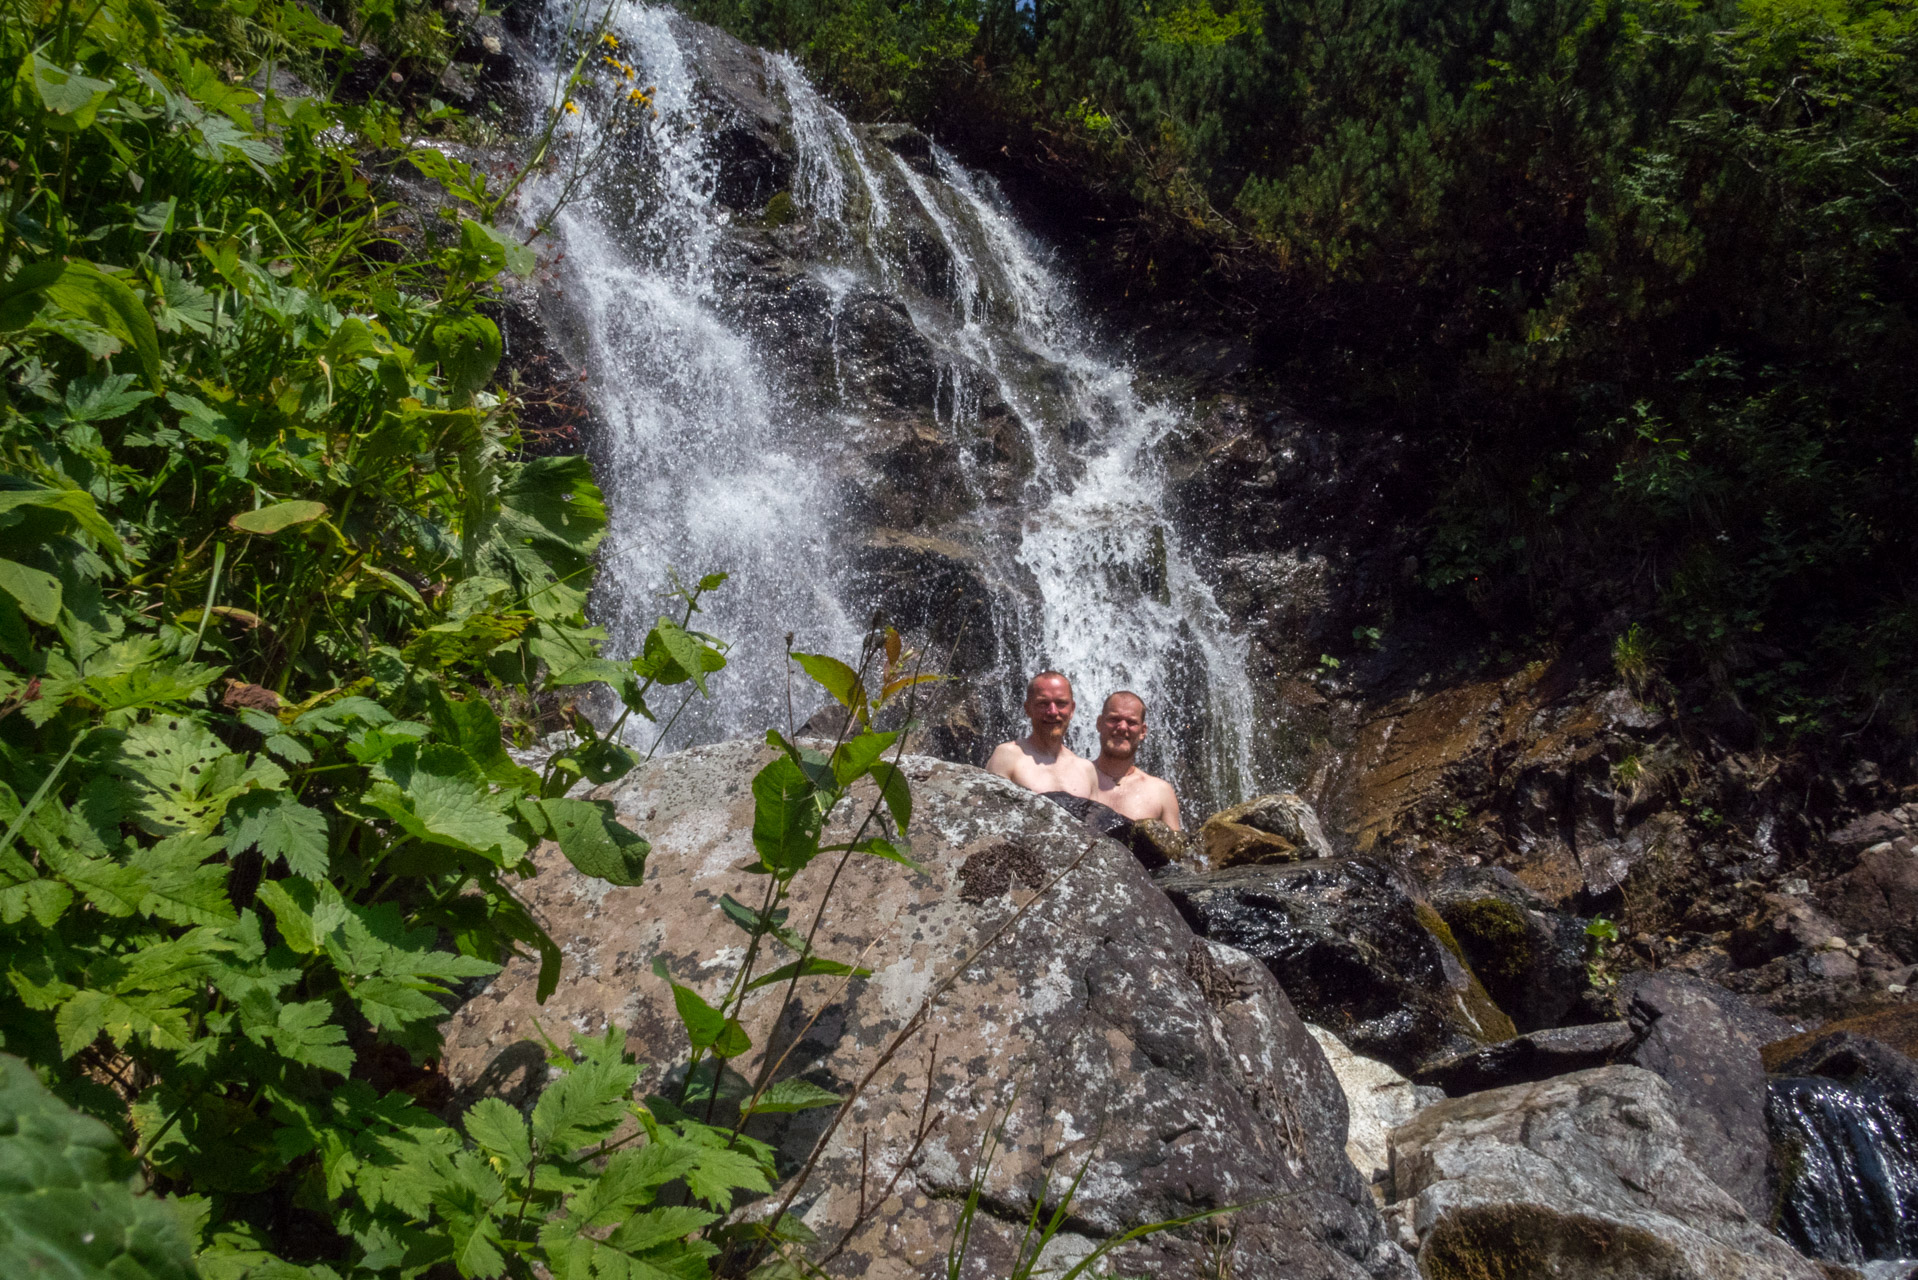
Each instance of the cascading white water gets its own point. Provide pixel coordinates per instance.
(715, 457)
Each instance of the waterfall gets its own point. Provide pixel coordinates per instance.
(1849, 1157)
(730, 416)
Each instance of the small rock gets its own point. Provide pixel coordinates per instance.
(1274, 828)
(1537, 1055)
(1271, 828)
(1833, 966)
(1377, 1101)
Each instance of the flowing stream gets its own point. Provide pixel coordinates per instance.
(723, 440)
(1850, 1157)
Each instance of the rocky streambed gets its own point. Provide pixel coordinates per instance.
(1305, 1038)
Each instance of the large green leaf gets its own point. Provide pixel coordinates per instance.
(75, 503)
(185, 777)
(468, 349)
(551, 518)
(835, 677)
(34, 590)
(85, 291)
(279, 516)
(68, 93)
(786, 817)
(281, 827)
(595, 841)
(439, 794)
(67, 1201)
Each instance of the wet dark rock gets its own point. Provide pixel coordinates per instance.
(745, 132)
(1357, 954)
(905, 473)
(884, 359)
(1537, 1055)
(906, 142)
(1531, 959)
(1705, 1041)
(933, 587)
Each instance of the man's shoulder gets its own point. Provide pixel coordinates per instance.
(1007, 756)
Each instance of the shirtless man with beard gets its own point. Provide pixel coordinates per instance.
(1041, 761)
(1121, 785)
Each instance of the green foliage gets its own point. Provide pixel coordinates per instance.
(279, 590)
(68, 1202)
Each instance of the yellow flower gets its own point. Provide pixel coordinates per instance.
(572, 108)
(610, 40)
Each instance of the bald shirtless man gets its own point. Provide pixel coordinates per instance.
(1121, 785)
(1041, 761)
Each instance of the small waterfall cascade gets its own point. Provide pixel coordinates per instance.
(851, 379)
(1848, 1152)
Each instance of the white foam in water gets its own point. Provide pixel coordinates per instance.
(695, 451)
(705, 458)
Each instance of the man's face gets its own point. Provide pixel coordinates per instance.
(1049, 703)
(1121, 727)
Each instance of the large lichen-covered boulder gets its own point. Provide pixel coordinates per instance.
(1579, 1177)
(1097, 1024)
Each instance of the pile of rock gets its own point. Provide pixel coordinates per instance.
(1150, 1029)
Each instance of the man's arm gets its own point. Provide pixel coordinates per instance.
(1169, 813)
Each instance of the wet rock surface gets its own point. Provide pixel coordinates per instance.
(1109, 1029)
(1356, 953)
(1585, 1175)
(1536, 1055)
(1531, 959)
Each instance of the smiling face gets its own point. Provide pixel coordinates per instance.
(1121, 727)
(1049, 706)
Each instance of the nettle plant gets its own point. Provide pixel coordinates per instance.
(278, 591)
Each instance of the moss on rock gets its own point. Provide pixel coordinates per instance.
(1495, 937)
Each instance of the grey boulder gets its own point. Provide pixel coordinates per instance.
(1578, 1177)
(1705, 1041)
(1098, 1026)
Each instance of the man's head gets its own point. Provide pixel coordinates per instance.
(1122, 726)
(1049, 704)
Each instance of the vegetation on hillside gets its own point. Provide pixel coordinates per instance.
(1638, 276)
